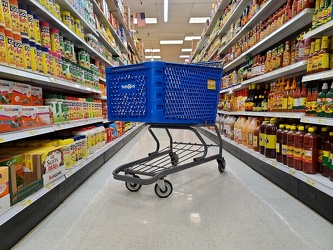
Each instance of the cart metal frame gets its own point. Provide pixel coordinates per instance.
(162, 162)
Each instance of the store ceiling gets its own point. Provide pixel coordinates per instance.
(176, 28)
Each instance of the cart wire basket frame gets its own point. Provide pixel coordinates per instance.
(164, 93)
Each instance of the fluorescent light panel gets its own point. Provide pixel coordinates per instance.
(149, 20)
(184, 56)
(171, 42)
(155, 57)
(166, 10)
(198, 19)
(152, 50)
(186, 50)
(190, 38)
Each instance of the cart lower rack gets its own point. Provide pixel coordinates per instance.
(176, 157)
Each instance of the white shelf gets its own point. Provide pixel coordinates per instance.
(323, 30)
(42, 80)
(267, 10)
(20, 134)
(211, 26)
(109, 46)
(43, 14)
(325, 75)
(230, 89)
(17, 208)
(102, 19)
(264, 114)
(101, 79)
(300, 21)
(88, 28)
(315, 180)
(317, 120)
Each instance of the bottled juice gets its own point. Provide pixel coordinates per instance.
(321, 100)
(279, 133)
(236, 129)
(326, 155)
(232, 127)
(329, 103)
(298, 148)
(250, 132)
(290, 146)
(310, 156)
(256, 138)
(270, 138)
(244, 131)
(262, 143)
(322, 136)
(239, 129)
(284, 144)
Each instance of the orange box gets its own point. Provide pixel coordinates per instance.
(44, 116)
(10, 117)
(21, 94)
(36, 96)
(29, 117)
(6, 91)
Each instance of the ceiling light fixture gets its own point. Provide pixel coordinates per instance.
(184, 56)
(171, 42)
(186, 50)
(166, 6)
(198, 19)
(190, 38)
(152, 50)
(149, 20)
(150, 57)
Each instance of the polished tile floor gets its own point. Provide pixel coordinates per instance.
(238, 209)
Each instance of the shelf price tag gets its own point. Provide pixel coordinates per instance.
(2, 140)
(50, 186)
(25, 203)
(33, 132)
(52, 80)
(292, 172)
(310, 182)
(274, 164)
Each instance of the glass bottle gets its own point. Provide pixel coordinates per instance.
(291, 95)
(264, 102)
(286, 55)
(322, 136)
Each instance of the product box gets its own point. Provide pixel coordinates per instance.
(21, 94)
(53, 175)
(6, 91)
(4, 182)
(29, 117)
(37, 96)
(10, 117)
(44, 116)
(4, 203)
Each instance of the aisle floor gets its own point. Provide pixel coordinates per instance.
(238, 209)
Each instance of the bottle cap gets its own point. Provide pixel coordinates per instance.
(301, 128)
(324, 129)
(293, 127)
(311, 130)
(331, 134)
(325, 85)
(281, 126)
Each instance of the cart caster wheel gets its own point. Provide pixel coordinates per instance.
(133, 187)
(221, 165)
(174, 159)
(164, 193)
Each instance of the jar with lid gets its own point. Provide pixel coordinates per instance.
(310, 156)
(45, 55)
(30, 18)
(37, 30)
(39, 59)
(33, 56)
(270, 138)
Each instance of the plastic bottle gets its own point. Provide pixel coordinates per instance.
(329, 103)
(322, 136)
(239, 129)
(231, 128)
(298, 148)
(326, 155)
(66, 147)
(244, 131)
(297, 95)
(321, 100)
(284, 144)
(256, 138)
(302, 99)
(285, 98)
(310, 156)
(250, 132)
(270, 138)
(236, 129)
(23, 19)
(314, 98)
(290, 146)
(279, 133)
(262, 137)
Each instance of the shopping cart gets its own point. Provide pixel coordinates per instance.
(166, 96)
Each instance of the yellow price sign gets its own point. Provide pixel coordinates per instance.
(33, 132)
(274, 164)
(2, 140)
(52, 79)
(310, 182)
(50, 186)
(292, 172)
(26, 203)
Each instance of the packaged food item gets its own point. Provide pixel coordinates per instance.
(53, 102)
(310, 156)
(44, 116)
(66, 149)
(45, 56)
(11, 117)
(4, 181)
(55, 43)
(3, 51)
(29, 117)
(18, 50)
(39, 58)
(36, 96)
(2, 16)
(37, 35)
(66, 18)
(26, 53)
(23, 20)
(45, 34)
(6, 92)
(14, 12)
(9, 42)
(30, 17)
(21, 94)
(6, 13)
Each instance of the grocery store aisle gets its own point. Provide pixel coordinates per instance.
(238, 209)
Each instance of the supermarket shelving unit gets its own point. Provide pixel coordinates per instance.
(313, 190)
(19, 219)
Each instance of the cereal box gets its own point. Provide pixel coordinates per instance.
(29, 117)
(44, 116)
(6, 91)
(10, 117)
(36, 96)
(21, 94)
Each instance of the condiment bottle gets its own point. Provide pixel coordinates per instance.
(329, 103)
(324, 55)
(322, 136)
(250, 130)
(279, 133)
(297, 95)
(308, 104)
(9, 41)
(321, 100)
(291, 96)
(290, 146)
(310, 59)
(298, 148)
(310, 156)
(284, 144)
(314, 97)
(14, 12)
(285, 98)
(236, 129)
(326, 155)
(303, 95)
(270, 138)
(315, 56)
(262, 139)
(330, 173)
(239, 130)
(256, 138)
(286, 55)
(244, 131)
